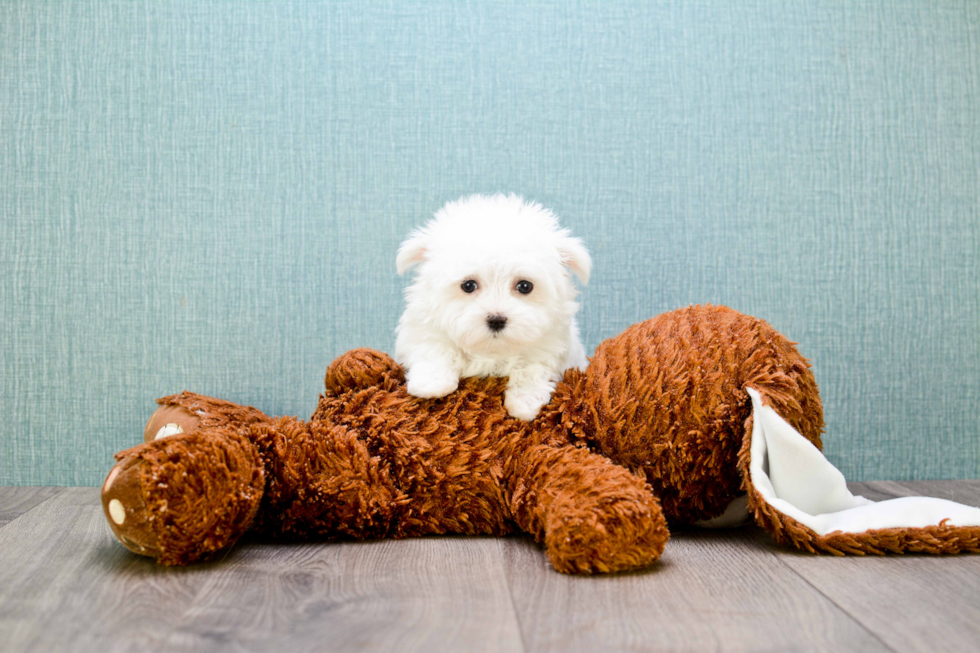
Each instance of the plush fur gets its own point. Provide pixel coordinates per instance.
(651, 430)
(492, 296)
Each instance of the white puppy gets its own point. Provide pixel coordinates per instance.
(492, 296)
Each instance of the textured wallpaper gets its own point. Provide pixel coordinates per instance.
(209, 195)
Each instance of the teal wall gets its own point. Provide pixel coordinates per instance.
(209, 195)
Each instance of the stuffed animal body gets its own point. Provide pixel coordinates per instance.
(677, 419)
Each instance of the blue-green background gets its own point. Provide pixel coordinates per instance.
(209, 195)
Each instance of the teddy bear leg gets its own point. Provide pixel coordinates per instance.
(180, 498)
(591, 514)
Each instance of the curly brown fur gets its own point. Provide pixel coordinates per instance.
(374, 462)
(659, 424)
(667, 398)
(198, 493)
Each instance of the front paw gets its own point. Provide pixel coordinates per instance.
(431, 383)
(524, 404)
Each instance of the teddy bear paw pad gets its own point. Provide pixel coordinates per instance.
(125, 510)
(168, 430)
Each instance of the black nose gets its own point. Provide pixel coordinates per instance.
(496, 322)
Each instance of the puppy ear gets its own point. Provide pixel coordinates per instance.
(576, 257)
(411, 253)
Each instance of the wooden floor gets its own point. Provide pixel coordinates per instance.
(66, 585)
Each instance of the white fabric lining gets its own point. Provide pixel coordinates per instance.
(795, 478)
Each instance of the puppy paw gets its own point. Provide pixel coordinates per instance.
(429, 383)
(524, 404)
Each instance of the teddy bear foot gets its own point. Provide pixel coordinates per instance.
(180, 498)
(125, 510)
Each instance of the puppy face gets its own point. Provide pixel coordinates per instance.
(493, 274)
(493, 307)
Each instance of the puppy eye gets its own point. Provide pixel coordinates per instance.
(524, 287)
(469, 286)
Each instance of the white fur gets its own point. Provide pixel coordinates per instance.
(443, 335)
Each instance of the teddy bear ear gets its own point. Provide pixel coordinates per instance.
(411, 253)
(576, 257)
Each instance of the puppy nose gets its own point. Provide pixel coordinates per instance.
(496, 322)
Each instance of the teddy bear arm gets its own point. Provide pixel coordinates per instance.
(362, 368)
(590, 514)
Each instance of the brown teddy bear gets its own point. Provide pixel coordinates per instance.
(670, 421)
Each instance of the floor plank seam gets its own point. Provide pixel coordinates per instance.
(846, 612)
(511, 541)
(33, 508)
(168, 643)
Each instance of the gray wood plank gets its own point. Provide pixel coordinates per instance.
(411, 595)
(711, 590)
(67, 585)
(911, 602)
(967, 492)
(15, 501)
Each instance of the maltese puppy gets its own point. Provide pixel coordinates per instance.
(492, 296)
